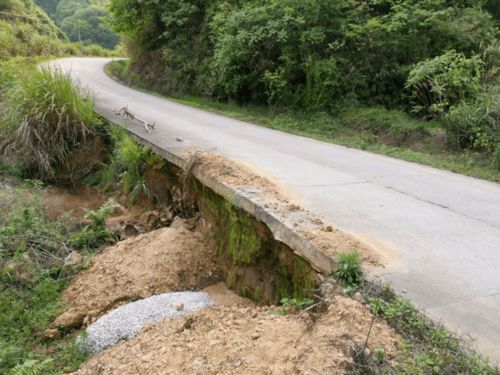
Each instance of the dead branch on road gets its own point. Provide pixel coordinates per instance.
(124, 112)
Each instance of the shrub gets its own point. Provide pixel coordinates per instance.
(444, 81)
(50, 119)
(475, 124)
(348, 269)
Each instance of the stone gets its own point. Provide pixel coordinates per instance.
(51, 333)
(73, 259)
(86, 321)
(179, 307)
(130, 230)
(73, 318)
(255, 336)
(359, 297)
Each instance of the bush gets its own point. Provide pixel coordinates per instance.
(50, 120)
(437, 84)
(348, 269)
(475, 124)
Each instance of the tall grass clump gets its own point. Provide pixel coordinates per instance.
(50, 119)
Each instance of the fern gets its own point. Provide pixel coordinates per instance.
(31, 367)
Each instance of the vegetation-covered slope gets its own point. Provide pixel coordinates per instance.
(82, 20)
(26, 30)
(434, 59)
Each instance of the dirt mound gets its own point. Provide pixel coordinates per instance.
(164, 260)
(248, 340)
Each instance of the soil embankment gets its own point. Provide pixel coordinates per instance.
(164, 260)
(243, 339)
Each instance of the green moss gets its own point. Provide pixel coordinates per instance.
(253, 262)
(244, 244)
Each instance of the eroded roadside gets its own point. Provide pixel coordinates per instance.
(186, 252)
(272, 313)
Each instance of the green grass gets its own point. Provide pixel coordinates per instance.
(427, 348)
(32, 276)
(386, 132)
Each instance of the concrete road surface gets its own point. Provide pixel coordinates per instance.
(439, 231)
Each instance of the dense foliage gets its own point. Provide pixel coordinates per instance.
(82, 21)
(428, 58)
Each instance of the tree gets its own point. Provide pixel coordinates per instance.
(87, 25)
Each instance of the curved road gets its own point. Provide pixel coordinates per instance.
(439, 231)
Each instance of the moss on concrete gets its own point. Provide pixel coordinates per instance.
(253, 262)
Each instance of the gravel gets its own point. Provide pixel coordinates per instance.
(127, 320)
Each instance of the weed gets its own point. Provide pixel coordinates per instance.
(348, 269)
(127, 166)
(96, 233)
(296, 303)
(427, 347)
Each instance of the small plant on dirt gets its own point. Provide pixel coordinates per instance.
(127, 166)
(348, 269)
(95, 234)
(296, 303)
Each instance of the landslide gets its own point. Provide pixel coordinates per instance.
(164, 260)
(251, 340)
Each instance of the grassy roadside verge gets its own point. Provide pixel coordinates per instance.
(426, 347)
(390, 133)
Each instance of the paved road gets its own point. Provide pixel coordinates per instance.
(440, 231)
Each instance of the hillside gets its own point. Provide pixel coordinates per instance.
(26, 30)
(82, 21)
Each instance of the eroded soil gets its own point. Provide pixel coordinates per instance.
(249, 340)
(164, 260)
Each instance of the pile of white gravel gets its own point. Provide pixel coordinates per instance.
(127, 320)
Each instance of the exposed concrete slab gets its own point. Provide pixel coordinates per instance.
(440, 231)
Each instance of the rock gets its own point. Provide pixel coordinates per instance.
(86, 321)
(73, 318)
(50, 333)
(130, 230)
(197, 363)
(73, 259)
(359, 297)
(328, 228)
(179, 307)
(255, 336)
